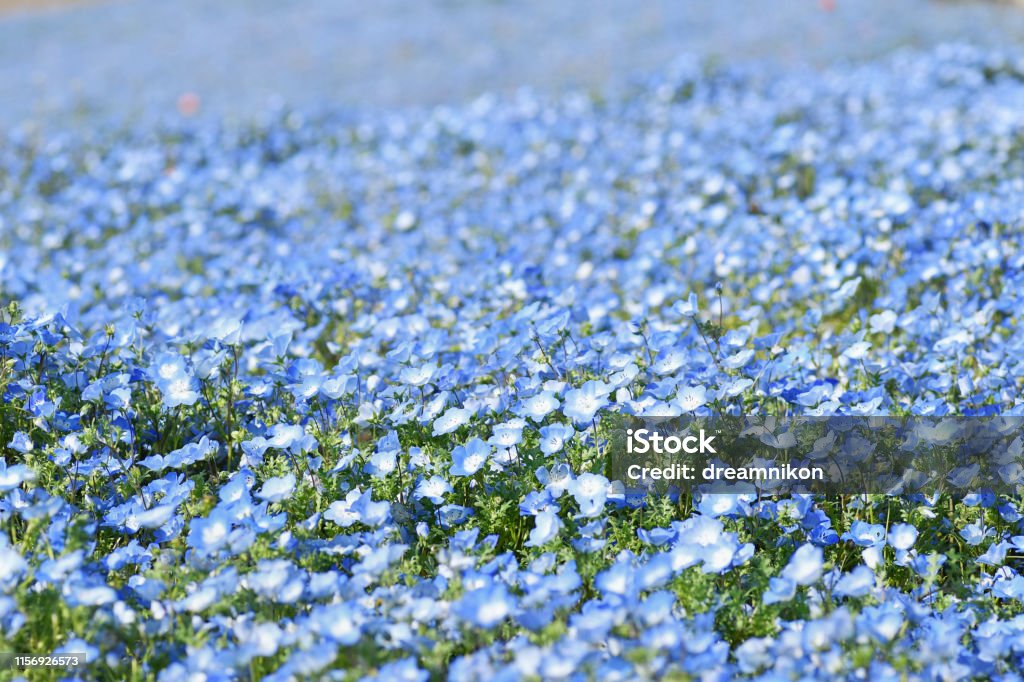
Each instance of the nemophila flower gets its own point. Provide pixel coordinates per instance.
(210, 534)
(700, 530)
(340, 623)
(21, 442)
(337, 386)
(226, 329)
(882, 623)
(883, 322)
(168, 367)
(418, 376)
(723, 504)
(506, 435)
(306, 379)
(590, 492)
(902, 536)
(975, 533)
(290, 437)
(720, 555)
(657, 572)
(816, 394)
(995, 555)
(554, 438)
(656, 608)
(539, 406)
(452, 419)
(857, 583)
(453, 515)
(377, 560)
(12, 567)
(433, 407)
(13, 476)
(183, 390)
(57, 570)
(119, 398)
(985, 499)
(546, 528)
(504, 458)
(433, 489)
(154, 517)
(182, 457)
(691, 398)
(537, 501)
(857, 351)
(486, 606)
(236, 490)
(873, 556)
(734, 387)
(669, 361)
(358, 507)
(865, 534)
(779, 590)
(927, 565)
(405, 670)
(1011, 588)
(657, 536)
(381, 464)
(619, 579)
(582, 404)
(469, 458)
(555, 479)
(277, 488)
(805, 565)
(687, 308)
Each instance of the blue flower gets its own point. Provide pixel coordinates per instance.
(975, 533)
(865, 534)
(506, 435)
(719, 556)
(882, 623)
(453, 515)
(210, 534)
(433, 489)
(277, 489)
(902, 536)
(469, 458)
(805, 565)
(14, 476)
(856, 583)
(691, 398)
(554, 438)
(12, 567)
(175, 381)
(485, 607)
(581, 404)
(590, 492)
(451, 420)
(546, 528)
(687, 308)
(418, 376)
(779, 590)
(539, 406)
(358, 507)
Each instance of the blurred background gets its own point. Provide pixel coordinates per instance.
(232, 58)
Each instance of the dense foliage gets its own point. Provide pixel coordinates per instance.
(322, 397)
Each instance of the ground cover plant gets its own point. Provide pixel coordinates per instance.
(322, 397)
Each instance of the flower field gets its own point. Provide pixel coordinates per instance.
(327, 396)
